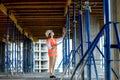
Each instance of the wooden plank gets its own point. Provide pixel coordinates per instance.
(29, 3)
(35, 6)
(38, 11)
(40, 14)
(42, 18)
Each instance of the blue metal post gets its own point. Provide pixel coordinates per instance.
(63, 53)
(87, 20)
(68, 31)
(80, 27)
(25, 58)
(80, 31)
(7, 39)
(18, 50)
(17, 41)
(23, 40)
(15, 49)
(68, 41)
(66, 46)
(106, 7)
(74, 32)
(13, 42)
(28, 63)
(27, 55)
(2, 57)
(32, 56)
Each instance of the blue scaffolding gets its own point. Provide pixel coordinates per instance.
(88, 57)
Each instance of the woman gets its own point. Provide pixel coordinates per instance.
(52, 50)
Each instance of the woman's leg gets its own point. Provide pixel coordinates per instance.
(50, 65)
(54, 61)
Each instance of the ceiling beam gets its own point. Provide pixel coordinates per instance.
(29, 3)
(33, 10)
(13, 18)
(42, 18)
(34, 6)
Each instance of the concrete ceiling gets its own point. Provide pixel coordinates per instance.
(34, 17)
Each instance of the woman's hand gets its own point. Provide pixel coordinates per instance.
(64, 32)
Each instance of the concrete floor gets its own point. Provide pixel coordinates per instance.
(30, 76)
(35, 76)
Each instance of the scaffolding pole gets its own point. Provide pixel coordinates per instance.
(13, 42)
(80, 31)
(64, 53)
(87, 21)
(106, 8)
(27, 55)
(74, 32)
(68, 28)
(7, 45)
(32, 56)
(2, 56)
(15, 49)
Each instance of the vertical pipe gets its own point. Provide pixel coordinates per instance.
(74, 33)
(2, 56)
(80, 26)
(29, 55)
(7, 39)
(63, 50)
(13, 30)
(66, 46)
(20, 48)
(106, 8)
(23, 51)
(69, 30)
(26, 54)
(32, 55)
(18, 54)
(25, 69)
(80, 30)
(87, 20)
(17, 49)
(64, 53)
(68, 35)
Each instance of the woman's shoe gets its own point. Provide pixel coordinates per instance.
(52, 76)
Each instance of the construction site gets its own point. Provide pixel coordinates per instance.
(89, 49)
